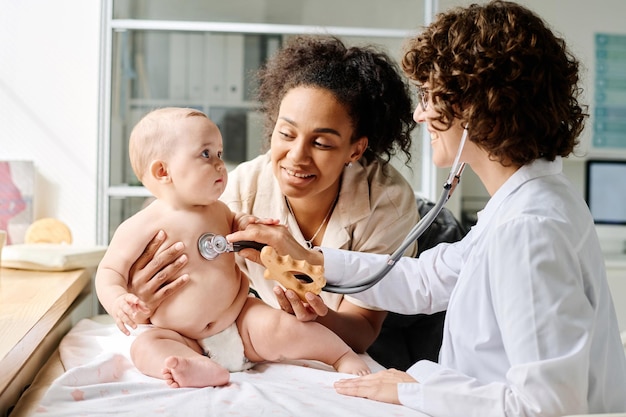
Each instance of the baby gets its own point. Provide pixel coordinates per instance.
(211, 326)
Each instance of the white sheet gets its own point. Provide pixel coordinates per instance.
(101, 380)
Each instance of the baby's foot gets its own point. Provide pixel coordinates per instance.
(351, 363)
(196, 372)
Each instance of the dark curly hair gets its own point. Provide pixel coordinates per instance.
(500, 69)
(366, 81)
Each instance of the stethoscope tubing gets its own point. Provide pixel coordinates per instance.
(413, 235)
(448, 188)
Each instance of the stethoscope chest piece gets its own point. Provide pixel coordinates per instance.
(211, 245)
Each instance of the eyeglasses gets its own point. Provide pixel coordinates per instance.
(424, 97)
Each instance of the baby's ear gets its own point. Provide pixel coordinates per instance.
(158, 171)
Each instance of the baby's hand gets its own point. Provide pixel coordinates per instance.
(126, 308)
(245, 220)
(266, 221)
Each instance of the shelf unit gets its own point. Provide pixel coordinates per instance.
(147, 62)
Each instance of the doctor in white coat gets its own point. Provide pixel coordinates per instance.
(530, 327)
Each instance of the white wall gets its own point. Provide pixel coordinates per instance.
(49, 52)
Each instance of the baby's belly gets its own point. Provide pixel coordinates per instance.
(199, 310)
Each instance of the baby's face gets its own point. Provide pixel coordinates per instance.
(196, 167)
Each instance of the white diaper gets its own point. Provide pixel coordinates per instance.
(226, 348)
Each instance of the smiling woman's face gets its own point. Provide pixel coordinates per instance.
(311, 143)
(445, 143)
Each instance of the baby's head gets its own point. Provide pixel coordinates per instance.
(156, 136)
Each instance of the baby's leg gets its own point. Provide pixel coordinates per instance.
(166, 354)
(273, 335)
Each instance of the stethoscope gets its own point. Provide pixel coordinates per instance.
(211, 245)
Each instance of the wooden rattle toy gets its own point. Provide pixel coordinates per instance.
(287, 272)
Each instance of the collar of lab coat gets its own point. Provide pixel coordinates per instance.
(536, 169)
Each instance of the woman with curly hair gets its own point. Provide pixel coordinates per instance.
(334, 117)
(530, 327)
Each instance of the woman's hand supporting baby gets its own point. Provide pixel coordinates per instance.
(153, 277)
(292, 304)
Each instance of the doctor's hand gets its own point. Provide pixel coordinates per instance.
(292, 304)
(381, 386)
(278, 237)
(153, 277)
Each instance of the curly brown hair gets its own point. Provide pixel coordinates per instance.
(365, 80)
(499, 69)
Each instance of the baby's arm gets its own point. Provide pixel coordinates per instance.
(123, 306)
(112, 283)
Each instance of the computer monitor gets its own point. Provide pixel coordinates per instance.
(605, 190)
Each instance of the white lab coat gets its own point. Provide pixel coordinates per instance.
(530, 328)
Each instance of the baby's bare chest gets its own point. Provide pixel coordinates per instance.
(190, 226)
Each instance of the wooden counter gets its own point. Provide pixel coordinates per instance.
(32, 306)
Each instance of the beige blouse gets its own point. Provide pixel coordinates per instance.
(375, 210)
